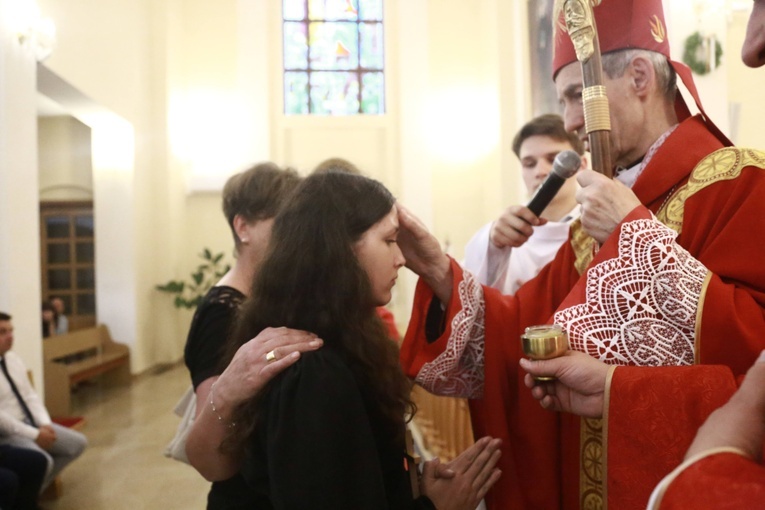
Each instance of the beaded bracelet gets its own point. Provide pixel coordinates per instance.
(215, 410)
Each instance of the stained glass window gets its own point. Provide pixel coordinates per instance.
(333, 57)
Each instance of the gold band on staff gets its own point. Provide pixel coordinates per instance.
(596, 115)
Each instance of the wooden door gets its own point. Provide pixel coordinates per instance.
(67, 247)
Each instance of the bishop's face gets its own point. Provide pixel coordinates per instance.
(624, 108)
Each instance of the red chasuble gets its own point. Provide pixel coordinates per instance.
(678, 282)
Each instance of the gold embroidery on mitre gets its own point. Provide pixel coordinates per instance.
(658, 31)
(591, 487)
(583, 246)
(723, 164)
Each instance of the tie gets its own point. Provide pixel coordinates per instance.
(16, 392)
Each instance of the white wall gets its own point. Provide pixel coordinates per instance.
(111, 89)
(683, 19)
(745, 88)
(65, 160)
(19, 213)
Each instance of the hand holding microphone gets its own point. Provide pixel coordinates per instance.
(513, 228)
(565, 165)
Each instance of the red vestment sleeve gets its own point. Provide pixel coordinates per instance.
(722, 230)
(717, 482)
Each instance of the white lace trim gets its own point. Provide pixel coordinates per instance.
(641, 306)
(458, 371)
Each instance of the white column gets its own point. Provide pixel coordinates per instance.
(19, 209)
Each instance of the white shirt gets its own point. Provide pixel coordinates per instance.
(506, 269)
(12, 417)
(62, 326)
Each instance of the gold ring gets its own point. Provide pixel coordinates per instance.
(270, 356)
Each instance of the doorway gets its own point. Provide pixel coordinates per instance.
(67, 250)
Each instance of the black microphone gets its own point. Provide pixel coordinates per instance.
(565, 165)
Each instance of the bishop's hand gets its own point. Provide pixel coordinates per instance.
(423, 254)
(605, 203)
(579, 386)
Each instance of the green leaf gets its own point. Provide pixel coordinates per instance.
(171, 286)
(191, 292)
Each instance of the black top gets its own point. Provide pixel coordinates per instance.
(319, 444)
(209, 331)
(204, 347)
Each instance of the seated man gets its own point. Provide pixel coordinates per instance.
(24, 421)
(511, 250)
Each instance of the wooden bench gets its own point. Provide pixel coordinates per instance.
(79, 356)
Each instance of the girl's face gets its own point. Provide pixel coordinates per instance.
(380, 257)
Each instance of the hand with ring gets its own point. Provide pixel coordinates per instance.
(259, 360)
(253, 366)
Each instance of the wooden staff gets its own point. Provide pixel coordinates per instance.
(580, 24)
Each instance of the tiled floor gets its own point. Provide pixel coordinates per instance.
(123, 467)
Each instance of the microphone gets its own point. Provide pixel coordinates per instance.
(565, 165)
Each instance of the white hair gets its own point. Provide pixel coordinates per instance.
(616, 62)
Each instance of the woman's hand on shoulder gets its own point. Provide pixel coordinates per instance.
(261, 359)
(462, 483)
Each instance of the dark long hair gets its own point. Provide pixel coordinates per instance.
(311, 280)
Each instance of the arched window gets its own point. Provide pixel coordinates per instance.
(333, 57)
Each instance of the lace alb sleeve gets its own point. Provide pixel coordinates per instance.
(458, 370)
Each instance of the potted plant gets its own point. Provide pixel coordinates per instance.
(188, 294)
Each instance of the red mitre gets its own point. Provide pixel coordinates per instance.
(625, 24)
(621, 24)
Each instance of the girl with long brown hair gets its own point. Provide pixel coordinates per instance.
(328, 433)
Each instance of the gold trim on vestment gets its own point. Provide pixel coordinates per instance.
(606, 407)
(593, 456)
(699, 311)
(723, 164)
(591, 464)
(583, 246)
